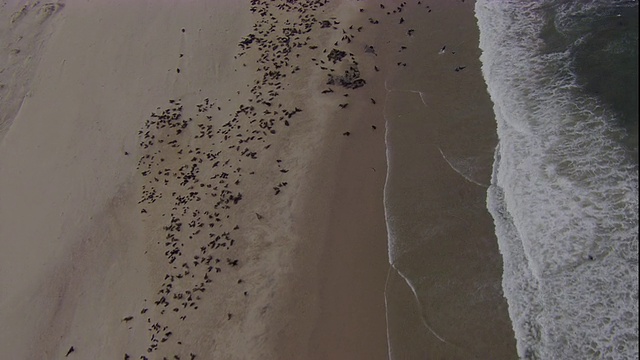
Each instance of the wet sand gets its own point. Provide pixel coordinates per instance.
(444, 296)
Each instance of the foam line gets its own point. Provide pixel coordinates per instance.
(386, 313)
(460, 172)
(419, 304)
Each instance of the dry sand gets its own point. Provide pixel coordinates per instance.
(164, 191)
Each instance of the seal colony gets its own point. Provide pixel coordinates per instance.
(198, 164)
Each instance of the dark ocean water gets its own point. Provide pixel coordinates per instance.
(563, 77)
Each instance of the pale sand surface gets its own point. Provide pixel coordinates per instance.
(83, 245)
(72, 257)
(24, 30)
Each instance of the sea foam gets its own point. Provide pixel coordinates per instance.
(564, 195)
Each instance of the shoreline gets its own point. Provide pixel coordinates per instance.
(446, 298)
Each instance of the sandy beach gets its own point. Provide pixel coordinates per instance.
(206, 180)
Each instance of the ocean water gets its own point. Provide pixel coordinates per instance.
(564, 190)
